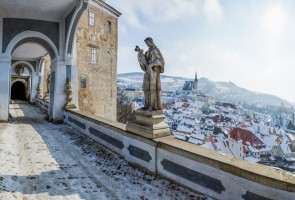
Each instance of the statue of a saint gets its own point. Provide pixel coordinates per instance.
(152, 63)
(48, 88)
(48, 83)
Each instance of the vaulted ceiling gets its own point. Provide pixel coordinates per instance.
(29, 51)
(49, 10)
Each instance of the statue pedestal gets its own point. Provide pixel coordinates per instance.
(149, 124)
(46, 98)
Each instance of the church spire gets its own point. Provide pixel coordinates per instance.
(196, 81)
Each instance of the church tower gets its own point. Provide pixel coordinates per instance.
(196, 81)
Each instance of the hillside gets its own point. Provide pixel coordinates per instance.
(222, 91)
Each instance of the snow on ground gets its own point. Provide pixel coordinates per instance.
(167, 80)
(128, 80)
(43, 161)
(252, 159)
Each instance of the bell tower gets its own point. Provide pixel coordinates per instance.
(196, 81)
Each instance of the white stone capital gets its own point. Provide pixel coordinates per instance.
(5, 59)
(69, 59)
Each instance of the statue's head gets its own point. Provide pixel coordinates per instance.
(149, 41)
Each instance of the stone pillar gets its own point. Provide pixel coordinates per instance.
(34, 87)
(57, 96)
(5, 64)
(74, 74)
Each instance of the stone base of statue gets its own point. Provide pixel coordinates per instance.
(70, 106)
(149, 124)
(46, 98)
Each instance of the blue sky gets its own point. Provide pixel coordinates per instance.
(251, 43)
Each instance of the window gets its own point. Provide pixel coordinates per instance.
(91, 18)
(93, 38)
(83, 82)
(101, 30)
(93, 55)
(109, 26)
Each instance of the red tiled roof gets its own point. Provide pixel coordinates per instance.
(246, 136)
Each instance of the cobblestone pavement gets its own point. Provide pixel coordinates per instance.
(39, 160)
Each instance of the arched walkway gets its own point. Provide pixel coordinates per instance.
(18, 91)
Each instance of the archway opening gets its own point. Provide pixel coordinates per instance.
(18, 91)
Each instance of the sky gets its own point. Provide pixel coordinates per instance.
(250, 43)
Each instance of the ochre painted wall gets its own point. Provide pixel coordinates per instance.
(99, 97)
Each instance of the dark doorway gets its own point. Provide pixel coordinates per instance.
(18, 91)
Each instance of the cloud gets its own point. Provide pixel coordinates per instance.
(212, 10)
(164, 10)
(137, 13)
(274, 20)
(209, 59)
(154, 10)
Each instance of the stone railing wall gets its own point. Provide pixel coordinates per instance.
(42, 104)
(204, 170)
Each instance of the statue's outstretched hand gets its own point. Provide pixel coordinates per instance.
(137, 49)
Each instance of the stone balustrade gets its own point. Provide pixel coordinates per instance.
(214, 174)
(43, 104)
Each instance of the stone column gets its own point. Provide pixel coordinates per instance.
(74, 74)
(34, 87)
(71, 84)
(57, 96)
(5, 64)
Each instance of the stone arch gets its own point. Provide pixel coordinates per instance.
(32, 37)
(27, 65)
(19, 80)
(40, 66)
(70, 34)
(26, 91)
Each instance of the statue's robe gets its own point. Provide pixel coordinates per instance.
(152, 63)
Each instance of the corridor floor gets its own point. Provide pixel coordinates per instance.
(40, 160)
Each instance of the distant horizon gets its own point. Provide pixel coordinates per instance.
(250, 43)
(199, 77)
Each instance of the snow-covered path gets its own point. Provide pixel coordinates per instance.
(39, 160)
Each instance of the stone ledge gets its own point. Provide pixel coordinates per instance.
(112, 125)
(97, 119)
(268, 176)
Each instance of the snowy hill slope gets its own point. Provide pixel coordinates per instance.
(222, 91)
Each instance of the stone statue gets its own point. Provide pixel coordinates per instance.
(48, 88)
(39, 91)
(48, 83)
(152, 63)
(19, 69)
(149, 121)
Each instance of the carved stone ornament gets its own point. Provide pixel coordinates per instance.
(39, 91)
(19, 69)
(46, 98)
(69, 92)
